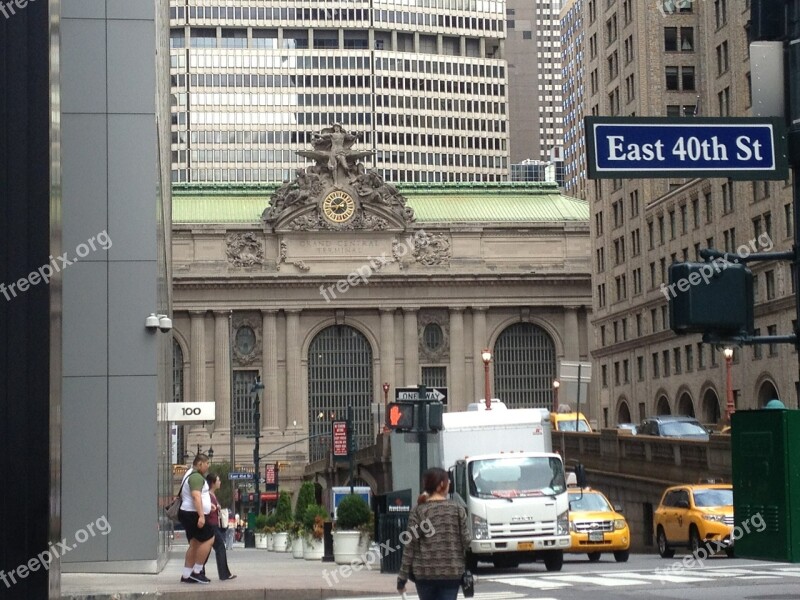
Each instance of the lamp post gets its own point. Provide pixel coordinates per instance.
(257, 389)
(730, 407)
(385, 405)
(556, 385)
(486, 355)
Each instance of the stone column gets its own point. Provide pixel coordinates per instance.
(572, 345)
(387, 347)
(269, 369)
(410, 346)
(294, 394)
(198, 355)
(479, 343)
(222, 369)
(457, 392)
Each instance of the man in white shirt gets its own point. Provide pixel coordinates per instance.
(195, 506)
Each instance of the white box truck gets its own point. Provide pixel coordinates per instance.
(510, 483)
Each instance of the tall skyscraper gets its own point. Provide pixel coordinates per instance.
(573, 73)
(680, 59)
(423, 84)
(533, 50)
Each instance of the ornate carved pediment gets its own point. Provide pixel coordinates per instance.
(244, 250)
(337, 193)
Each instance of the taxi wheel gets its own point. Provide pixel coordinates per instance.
(621, 555)
(663, 549)
(593, 556)
(694, 540)
(729, 552)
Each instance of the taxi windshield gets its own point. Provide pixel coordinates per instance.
(569, 425)
(589, 502)
(706, 498)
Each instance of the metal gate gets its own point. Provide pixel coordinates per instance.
(339, 375)
(524, 367)
(243, 423)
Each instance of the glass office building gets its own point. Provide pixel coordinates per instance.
(423, 83)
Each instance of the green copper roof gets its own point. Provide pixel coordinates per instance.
(432, 203)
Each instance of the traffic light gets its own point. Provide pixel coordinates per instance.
(400, 416)
(711, 297)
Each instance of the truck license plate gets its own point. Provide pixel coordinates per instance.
(525, 546)
(595, 536)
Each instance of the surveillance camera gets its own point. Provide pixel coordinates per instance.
(151, 322)
(164, 323)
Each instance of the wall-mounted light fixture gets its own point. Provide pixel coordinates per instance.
(154, 321)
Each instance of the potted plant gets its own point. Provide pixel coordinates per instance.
(283, 518)
(269, 530)
(314, 526)
(296, 539)
(260, 532)
(305, 498)
(351, 535)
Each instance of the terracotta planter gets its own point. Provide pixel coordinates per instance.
(297, 547)
(313, 549)
(349, 546)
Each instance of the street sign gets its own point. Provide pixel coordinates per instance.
(739, 148)
(181, 412)
(340, 439)
(412, 393)
(233, 475)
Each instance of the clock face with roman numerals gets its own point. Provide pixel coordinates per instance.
(338, 207)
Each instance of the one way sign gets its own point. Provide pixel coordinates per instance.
(411, 393)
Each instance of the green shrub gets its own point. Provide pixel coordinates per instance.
(305, 497)
(353, 513)
(310, 522)
(283, 512)
(262, 521)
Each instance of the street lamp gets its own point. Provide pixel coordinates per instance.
(556, 385)
(257, 390)
(730, 407)
(486, 355)
(385, 405)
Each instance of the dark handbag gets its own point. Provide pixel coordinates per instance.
(175, 506)
(468, 584)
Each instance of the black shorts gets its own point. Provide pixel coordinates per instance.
(193, 532)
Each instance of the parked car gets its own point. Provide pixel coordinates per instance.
(675, 426)
(627, 427)
(596, 527)
(694, 516)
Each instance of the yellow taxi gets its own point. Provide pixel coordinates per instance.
(698, 517)
(595, 526)
(569, 421)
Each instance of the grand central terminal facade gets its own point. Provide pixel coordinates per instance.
(335, 284)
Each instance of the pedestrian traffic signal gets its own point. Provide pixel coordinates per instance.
(400, 416)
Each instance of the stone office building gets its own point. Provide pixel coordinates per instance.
(335, 283)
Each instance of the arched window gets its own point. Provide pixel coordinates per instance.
(177, 394)
(339, 375)
(662, 406)
(685, 405)
(524, 367)
(711, 410)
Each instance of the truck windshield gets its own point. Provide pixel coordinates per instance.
(516, 477)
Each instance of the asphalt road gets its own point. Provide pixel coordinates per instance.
(643, 576)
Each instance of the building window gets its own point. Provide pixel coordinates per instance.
(788, 219)
(724, 100)
(701, 356)
(722, 58)
(433, 337)
(655, 366)
(687, 78)
(773, 348)
(665, 358)
(611, 29)
(524, 366)
(604, 376)
(769, 278)
(339, 375)
(670, 39)
(709, 202)
(688, 350)
(757, 347)
(243, 423)
(640, 368)
(721, 12)
(671, 78)
(434, 377)
(727, 197)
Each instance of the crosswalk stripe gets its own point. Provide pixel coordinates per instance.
(530, 582)
(663, 577)
(604, 581)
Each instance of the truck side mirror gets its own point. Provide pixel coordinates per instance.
(580, 474)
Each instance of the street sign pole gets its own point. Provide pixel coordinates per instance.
(422, 430)
(350, 446)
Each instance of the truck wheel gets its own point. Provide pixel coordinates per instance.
(663, 548)
(593, 556)
(621, 555)
(554, 560)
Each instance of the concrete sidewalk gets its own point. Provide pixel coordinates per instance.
(260, 575)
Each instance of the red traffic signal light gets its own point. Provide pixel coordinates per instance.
(400, 416)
